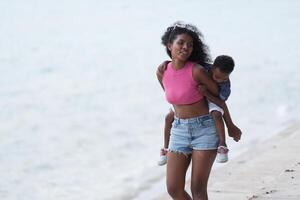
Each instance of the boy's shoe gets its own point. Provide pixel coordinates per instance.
(163, 157)
(222, 154)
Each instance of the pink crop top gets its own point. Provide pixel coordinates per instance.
(180, 87)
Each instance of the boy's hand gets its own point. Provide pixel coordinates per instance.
(202, 89)
(163, 66)
(234, 132)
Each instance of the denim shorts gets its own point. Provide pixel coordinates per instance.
(198, 133)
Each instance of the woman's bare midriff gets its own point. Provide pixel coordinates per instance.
(193, 110)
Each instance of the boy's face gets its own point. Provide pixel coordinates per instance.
(219, 76)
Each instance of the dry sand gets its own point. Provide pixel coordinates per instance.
(269, 171)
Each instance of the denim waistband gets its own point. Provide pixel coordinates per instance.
(193, 119)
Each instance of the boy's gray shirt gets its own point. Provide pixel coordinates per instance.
(224, 87)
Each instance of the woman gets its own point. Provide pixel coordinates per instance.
(193, 133)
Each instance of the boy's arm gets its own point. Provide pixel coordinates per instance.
(160, 72)
(233, 130)
(159, 78)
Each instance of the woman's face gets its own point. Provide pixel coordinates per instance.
(182, 47)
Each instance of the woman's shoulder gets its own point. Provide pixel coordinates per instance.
(198, 72)
(198, 69)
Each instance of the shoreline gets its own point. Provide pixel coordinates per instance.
(269, 170)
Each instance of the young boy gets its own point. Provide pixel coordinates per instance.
(219, 72)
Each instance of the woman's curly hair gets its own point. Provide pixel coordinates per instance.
(200, 53)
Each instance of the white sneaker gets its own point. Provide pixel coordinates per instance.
(163, 157)
(222, 155)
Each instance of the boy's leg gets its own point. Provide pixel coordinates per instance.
(217, 116)
(167, 130)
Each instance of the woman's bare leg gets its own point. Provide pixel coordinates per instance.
(202, 161)
(176, 171)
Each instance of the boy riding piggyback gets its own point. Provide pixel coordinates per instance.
(219, 72)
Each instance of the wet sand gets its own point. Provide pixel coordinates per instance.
(269, 170)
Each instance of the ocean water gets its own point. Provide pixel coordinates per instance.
(81, 110)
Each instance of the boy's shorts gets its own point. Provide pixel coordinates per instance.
(212, 107)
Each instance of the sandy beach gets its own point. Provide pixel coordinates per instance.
(269, 170)
(82, 112)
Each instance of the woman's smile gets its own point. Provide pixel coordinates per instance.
(182, 47)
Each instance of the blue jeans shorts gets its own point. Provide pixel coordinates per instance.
(198, 133)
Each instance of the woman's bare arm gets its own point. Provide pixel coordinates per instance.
(200, 75)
